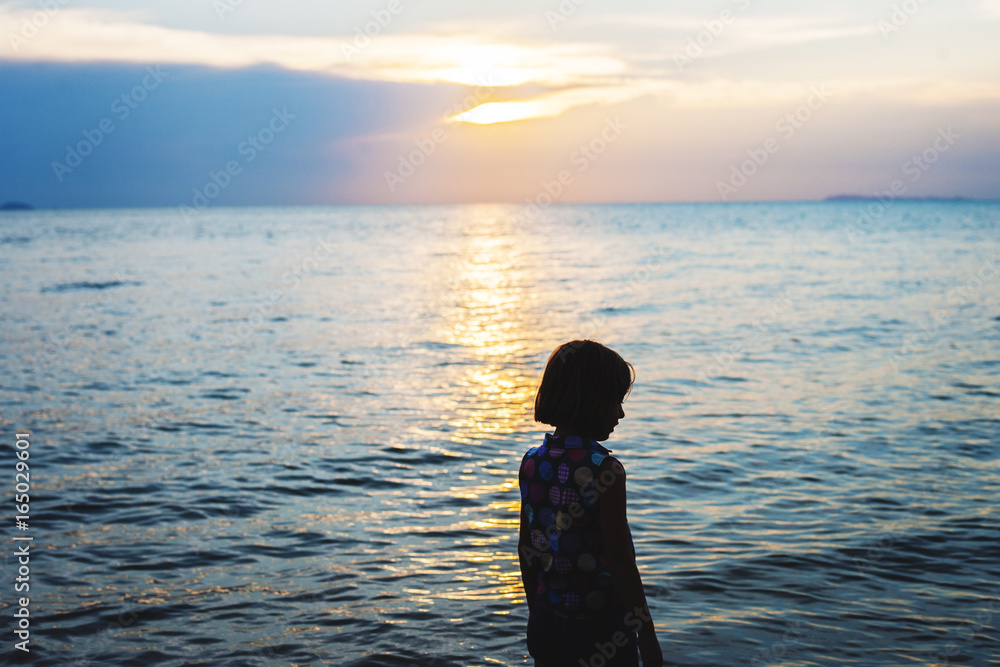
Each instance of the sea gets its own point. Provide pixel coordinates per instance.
(291, 436)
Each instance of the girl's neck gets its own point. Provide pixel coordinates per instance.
(561, 431)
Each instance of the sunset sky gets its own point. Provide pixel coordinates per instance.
(238, 102)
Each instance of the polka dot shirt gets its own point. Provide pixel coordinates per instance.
(560, 492)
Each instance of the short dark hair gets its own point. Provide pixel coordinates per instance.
(582, 378)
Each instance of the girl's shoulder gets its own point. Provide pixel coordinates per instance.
(530, 458)
(602, 455)
(538, 450)
(610, 462)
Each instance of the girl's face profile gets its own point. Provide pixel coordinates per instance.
(614, 415)
(582, 389)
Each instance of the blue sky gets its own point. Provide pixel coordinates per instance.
(293, 103)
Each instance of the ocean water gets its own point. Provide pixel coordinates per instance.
(291, 436)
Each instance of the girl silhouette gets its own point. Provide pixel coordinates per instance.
(586, 603)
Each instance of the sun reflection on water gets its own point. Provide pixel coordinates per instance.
(494, 318)
(494, 395)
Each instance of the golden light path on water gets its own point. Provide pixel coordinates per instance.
(494, 395)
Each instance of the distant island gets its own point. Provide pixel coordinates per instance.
(16, 206)
(875, 198)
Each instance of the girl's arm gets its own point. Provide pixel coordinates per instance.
(525, 555)
(621, 561)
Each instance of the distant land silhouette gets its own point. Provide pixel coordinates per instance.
(876, 198)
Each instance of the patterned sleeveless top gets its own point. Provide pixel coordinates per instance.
(560, 491)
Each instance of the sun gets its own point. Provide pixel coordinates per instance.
(501, 112)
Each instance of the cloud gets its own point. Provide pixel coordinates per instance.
(743, 32)
(781, 32)
(79, 35)
(471, 59)
(155, 151)
(990, 10)
(565, 74)
(730, 94)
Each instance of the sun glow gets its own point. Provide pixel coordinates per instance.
(495, 392)
(503, 112)
(553, 104)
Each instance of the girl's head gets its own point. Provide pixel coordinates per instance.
(582, 389)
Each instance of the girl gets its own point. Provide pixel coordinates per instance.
(586, 605)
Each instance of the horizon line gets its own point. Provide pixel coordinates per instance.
(15, 206)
